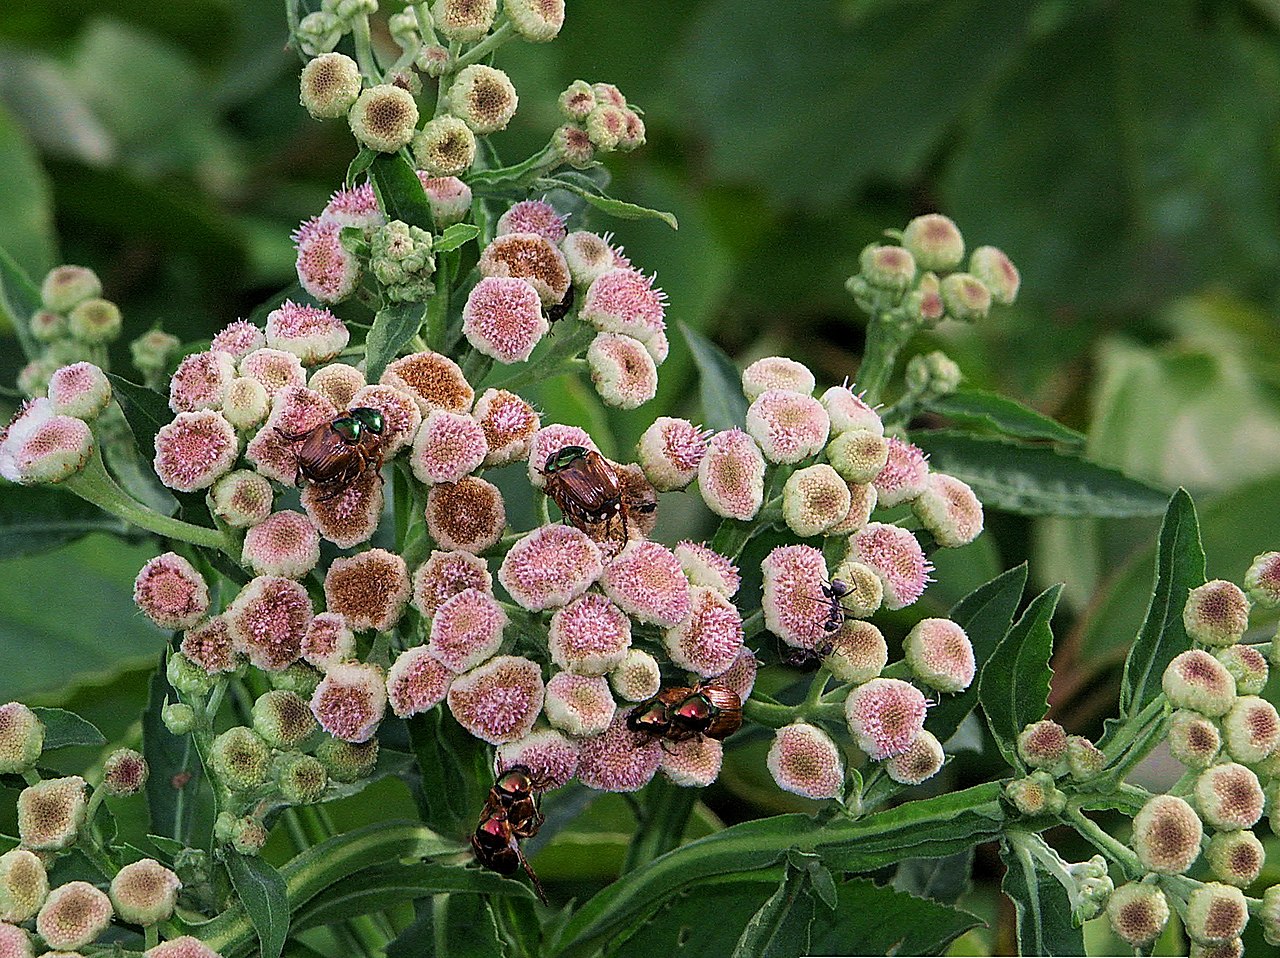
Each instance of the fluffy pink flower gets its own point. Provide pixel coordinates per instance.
(618, 760)
(239, 339)
(326, 269)
(885, 716)
(337, 383)
(550, 757)
(509, 424)
(740, 677)
(194, 450)
(940, 655)
(897, 559)
(777, 372)
(209, 645)
(550, 567)
(693, 763)
(450, 198)
(401, 415)
(589, 636)
(803, 759)
(710, 637)
(647, 582)
(447, 447)
(368, 589)
(201, 381)
(467, 629)
(533, 216)
(434, 381)
(950, 511)
(286, 543)
(469, 514)
(295, 411)
(418, 681)
(622, 370)
(624, 301)
(705, 566)
(73, 915)
(579, 704)
(503, 319)
(313, 335)
(274, 368)
(80, 390)
(789, 426)
(529, 257)
(444, 575)
(351, 517)
(170, 592)
(354, 207)
(268, 621)
(848, 412)
(14, 942)
(731, 475)
(549, 440)
(350, 701)
(903, 476)
(669, 452)
(499, 701)
(328, 641)
(794, 608)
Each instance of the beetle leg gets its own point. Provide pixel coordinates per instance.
(528, 870)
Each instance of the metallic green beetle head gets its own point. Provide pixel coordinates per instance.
(371, 419)
(348, 428)
(564, 458)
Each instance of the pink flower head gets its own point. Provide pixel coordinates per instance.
(659, 347)
(499, 701)
(15, 942)
(183, 947)
(670, 451)
(239, 339)
(313, 335)
(194, 450)
(533, 216)
(897, 559)
(73, 915)
(731, 475)
(619, 760)
(467, 629)
(274, 368)
(80, 390)
(647, 582)
(418, 681)
(241, 498)
(450, 198)
(885, 716)
(447, 447)
(903, 476)
(337, 383)
(295, 411)
(848, 413)
(350, 701)
(922, 760)
(401, 415)
(804, 760)
(201, 381)
(777, 372)
(268, 621)
(170, 592)
(328, 641)
(354, 207)
(859, 652)
(246, 403)
(740, 677)
(579, 704)
(444, 575)
(503, 318)
(624, 301)
(469, 514)
(710, 637)
(789, 426)
(637, 676)
(549, 440)
(434, 382)
(327, 270)
(529, 257)
(693, 763)
(589, 636)
(351, 517)
(589, 257)
(286, 543)
(940, 655)
(862, 502)
(704, 566)
(209, 645)
(368, 589)
(508, 423)
(550, 566)
(39, 446)
(622, 370)
(794, 608)
(550, 757)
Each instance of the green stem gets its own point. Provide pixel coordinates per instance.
(816, 688)
(31, 776)
(753, 624)
(768, 714)
(364, 48)
(151, 936)
(486, 46)
(885, 338)
(426, 26)
(1113, 848)
(668, 807)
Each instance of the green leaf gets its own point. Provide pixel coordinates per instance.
(393, 327)
(1037, 480)
(179, 799)
(780, 928)
(37, 518)
(1014, 687)
(144, 409)
(985, 614)
(362, 161)
(450, 926)
(63, 729)
(976, 407)
(1180, 567)
(1045, 922)
(400, 193)
(724, 406)
(19, 300)
(454, 236)
(583, 186)
(941, 879)
(26, 216)
(262, 891)
(876, 919)
(456, 772)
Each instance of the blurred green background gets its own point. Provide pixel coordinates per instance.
(1125, 154)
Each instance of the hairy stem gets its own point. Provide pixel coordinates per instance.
(487, 45)
(885, 337)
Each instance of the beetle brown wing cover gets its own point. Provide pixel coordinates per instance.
(728, 711)
(324, 456)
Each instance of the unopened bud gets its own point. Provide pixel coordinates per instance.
(1262, 581)
(858, 455)
(124, 772)
(248, 836)
(1216, 613)
(95, 321)
(400, 257)
(966, 297)
(348, 762)
(1138, 912)
(536, 20)
(577, 101)
(1216, 914)
(66, 287)
(1035, 794)
(46, 325)
(1193, 739)
(924, 303)
(239, 759)
(1196, 680)
(997, 273)
(606, 125)
(935, 241)
(1229, 796)
(1084, 759)
(445, 147)
(434, 60)
(1236, 857)
(319, 33)
(51, 812)
(283, 719)
(299, 678)
(933, 374)
(384, 118)
(21, 738)
(301, 778)
(178, 717)
(1042, 744)
(1269, 915)
(1166, 835)
(187, 677)
(152, 351)
(573, 145)
(1247, 666)
(330, 86)
(888, 267)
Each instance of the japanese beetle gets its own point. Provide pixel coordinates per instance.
(679, 714)
(510, 813)
(334, 454)
(586, 489)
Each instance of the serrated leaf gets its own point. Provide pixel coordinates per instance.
(63, 729)
(1045, 922)
(982, 408)
(400, 193)
(36, 518)
(719, 382)
(1036, 479)
(1180, 567)
(261, 890)
(144, 409)
(780, 927)
(620, 209)
(879, 920)
(455, 236)
(986, 615)
(392, 329)
(1014, 688)
(179, 800)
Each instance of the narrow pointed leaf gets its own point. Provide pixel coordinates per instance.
(393, 327)
(720, 382)
(400, 193)
(620, 209)
(978, 407)
(261, 890)
(455, 236)
(1045, 923)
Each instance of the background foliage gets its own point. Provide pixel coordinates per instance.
(1126, 155)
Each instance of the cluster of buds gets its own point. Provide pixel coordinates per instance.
(598, 119)
(73, 325)
(1054, 758)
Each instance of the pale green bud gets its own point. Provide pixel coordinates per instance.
(858, 455)
(239, 759)
(330, 85)
(46, 325)
(178, 717)
(445, 147)
(95, 321)
(346, 762)
(935, 241)
(66, 287)
(888, 267)
(1138, 913)
(401, 259)
(319, 33)
(933, 374)
(187, 677)
(21, 738)
(1042, 744)
(966, 297)
(1236, 857)
(283, 719)
(1085, 760)
(1216, 613)
(1247, 666)
(301, 778)
(1216, 914)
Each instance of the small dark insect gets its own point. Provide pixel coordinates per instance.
(561, 309)
(679, 714)
(586, 489)
(334, 454)
(511, 813)
(832, 594)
